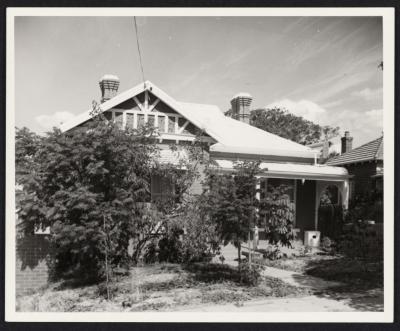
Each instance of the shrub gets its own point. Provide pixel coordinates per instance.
(250, 274)
(278, 213)
(190, 237)
(361, 240)
(328, 245)
(273, 253)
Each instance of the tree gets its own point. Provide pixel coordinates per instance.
(281, 122)
(231, 202)
(89, 185)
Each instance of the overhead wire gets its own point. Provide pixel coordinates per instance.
(138, 47)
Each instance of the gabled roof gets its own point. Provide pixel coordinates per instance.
(230, 134)
(370, 151)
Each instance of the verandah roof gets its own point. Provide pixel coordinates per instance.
(291, 170)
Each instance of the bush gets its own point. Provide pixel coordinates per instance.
(190, 237)
(361, 240)
(277, 211)
(250, 274)
(273, 253)
(328, 245)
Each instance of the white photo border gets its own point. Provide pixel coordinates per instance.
(387, 15)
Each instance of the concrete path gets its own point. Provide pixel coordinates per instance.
(290, 277)
(322, 299)
(298, 279)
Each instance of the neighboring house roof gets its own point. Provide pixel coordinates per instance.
(231, 135)
(371, 151)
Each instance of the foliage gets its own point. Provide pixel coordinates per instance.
(361, 240)
(273, 253)
(367, 206)
(88, 187)
(250, 274)
(231, 202)
(328, 245)
(277, 213)
(281, 122)
(27, 144)
(190, 237)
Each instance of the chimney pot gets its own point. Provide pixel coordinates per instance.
(241, 107)
(109, 87)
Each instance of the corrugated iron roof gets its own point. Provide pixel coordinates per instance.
(370, 151)
(292, 170)
(225, 130)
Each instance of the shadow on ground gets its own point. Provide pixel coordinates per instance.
(360, 283)
(210, 272)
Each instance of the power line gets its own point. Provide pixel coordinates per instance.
(138, 47)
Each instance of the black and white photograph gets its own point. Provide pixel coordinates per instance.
(203, 165)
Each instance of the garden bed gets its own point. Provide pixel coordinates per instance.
(158, 287)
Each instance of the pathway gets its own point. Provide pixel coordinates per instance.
(323, 299)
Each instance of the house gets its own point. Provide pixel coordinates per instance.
(364, 163)
(229, 139)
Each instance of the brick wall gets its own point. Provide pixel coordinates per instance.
(32, 271)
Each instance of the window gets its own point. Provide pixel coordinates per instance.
(151, 120)
(162, 188)
(118, 119)
(140, 121)
(161, 123)
(171, 124)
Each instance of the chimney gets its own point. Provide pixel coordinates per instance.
(241, 107)
(325, 149)
(109, 87)
(347, 142)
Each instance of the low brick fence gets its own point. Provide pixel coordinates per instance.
(32, 270)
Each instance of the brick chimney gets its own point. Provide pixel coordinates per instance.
(347, 142)
(109, 87)
(241, 107)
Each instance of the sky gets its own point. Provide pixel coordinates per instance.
(322, 68)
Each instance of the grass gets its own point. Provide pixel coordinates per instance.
(158, 287)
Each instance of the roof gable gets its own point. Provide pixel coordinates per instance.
(370, 151)
(227, 131)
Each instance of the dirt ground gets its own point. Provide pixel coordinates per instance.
(158, 287)
(312, 283)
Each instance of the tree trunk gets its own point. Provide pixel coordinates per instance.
(106, 259)
(249, 242)
(239, 252)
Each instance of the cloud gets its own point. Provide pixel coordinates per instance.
(364, 126)
(304, 108)
(47, 122)
(368, 94)
(375, 117)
